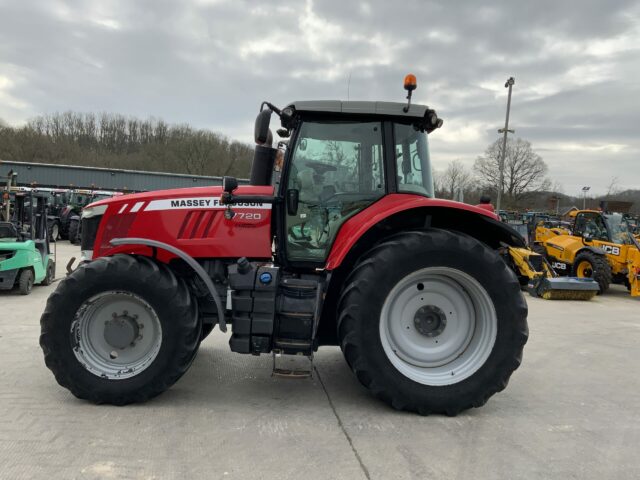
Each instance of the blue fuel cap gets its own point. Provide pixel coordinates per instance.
(265, 278)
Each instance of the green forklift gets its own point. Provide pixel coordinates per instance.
(26, 258)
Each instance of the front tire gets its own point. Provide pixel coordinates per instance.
(120, 330)
(590, 265)
(432, 321)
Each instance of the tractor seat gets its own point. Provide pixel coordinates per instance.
(8, 230)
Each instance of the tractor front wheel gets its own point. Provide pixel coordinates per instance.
(432, 321)
(120, 330)
(590, 265)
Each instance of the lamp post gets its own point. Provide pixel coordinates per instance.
(584, 197)
(505, 131)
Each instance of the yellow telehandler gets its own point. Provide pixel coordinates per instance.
(600, 246)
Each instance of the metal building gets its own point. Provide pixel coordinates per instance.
(72, 176)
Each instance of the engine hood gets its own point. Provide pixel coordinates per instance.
(191, 219)
(155, 194)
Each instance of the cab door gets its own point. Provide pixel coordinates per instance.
(337, 169)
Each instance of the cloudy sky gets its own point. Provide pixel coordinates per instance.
(211, 62)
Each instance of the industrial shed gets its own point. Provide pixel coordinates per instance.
(72, 176)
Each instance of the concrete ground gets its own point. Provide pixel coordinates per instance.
(570, 411)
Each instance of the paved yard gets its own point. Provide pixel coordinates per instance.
(570, 411)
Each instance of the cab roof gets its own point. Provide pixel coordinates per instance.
(395, 109)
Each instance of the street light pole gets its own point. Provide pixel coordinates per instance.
(584, 197)
(505, 130)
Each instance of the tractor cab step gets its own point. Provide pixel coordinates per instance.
(292, 366)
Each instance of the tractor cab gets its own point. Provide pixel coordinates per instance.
(341, 158)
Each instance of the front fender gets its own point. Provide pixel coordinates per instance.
(401, 211)
(596, 250)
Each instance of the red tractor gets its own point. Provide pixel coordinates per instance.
(344, 245)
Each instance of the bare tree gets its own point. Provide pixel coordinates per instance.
(524, 170)
(455, 178)
(613, 188)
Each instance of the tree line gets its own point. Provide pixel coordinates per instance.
(525, 173)
(116, 141)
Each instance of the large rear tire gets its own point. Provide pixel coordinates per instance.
(432, 321)
(120, 330)
(590, 265)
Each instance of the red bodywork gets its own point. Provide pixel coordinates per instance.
(190, 219)
(201, 231)
(389, 205)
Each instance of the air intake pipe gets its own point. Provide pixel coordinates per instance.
(262, 167)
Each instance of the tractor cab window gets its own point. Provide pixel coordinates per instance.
(592, 225)
(412, 160)
(337, 169)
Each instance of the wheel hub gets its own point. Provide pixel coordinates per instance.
(122, 330)
(430, 321)
(438, 325)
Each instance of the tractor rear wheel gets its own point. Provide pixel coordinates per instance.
(590, 265)
(120, 330)
(432, 321)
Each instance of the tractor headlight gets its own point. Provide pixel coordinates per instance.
(89, 212)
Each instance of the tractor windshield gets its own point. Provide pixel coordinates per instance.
(412, 160)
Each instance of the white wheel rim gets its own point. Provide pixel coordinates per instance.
(438, 326)
(91, 341)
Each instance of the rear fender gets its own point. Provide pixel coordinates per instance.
(398, 212)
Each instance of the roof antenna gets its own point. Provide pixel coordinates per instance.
(348, 85)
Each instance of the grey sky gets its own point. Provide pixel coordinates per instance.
(211, 62)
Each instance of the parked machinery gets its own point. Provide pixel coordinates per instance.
(600, 246)
(25, 252)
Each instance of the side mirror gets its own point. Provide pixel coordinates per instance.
(261, 131)
(229, 184)
(293, 198)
